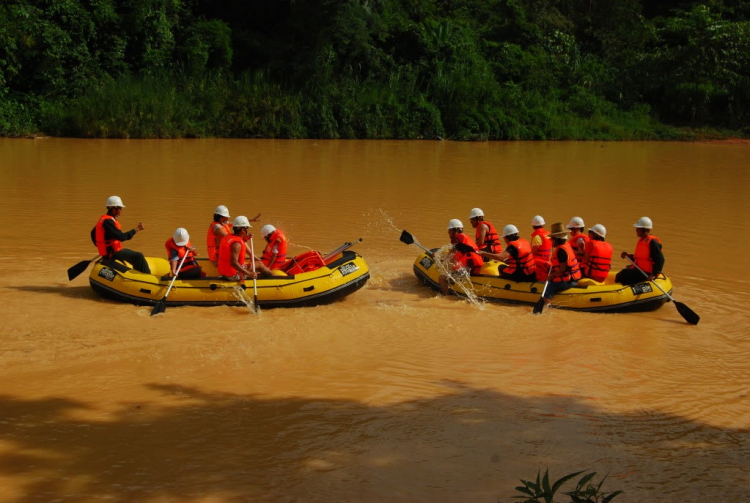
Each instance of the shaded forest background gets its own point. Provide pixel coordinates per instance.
(409, 69)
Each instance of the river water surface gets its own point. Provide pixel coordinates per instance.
(394, 393)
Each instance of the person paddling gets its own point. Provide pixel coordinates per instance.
(107, 236)
(232, 252)
(217, 230)
(564, 270)
(464, 255)
(517, 255)
(177, 246)
(648, 255)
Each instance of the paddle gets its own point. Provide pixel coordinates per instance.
(539, 306)
(411, 240)
(255, 281)
(77, 269)
(685, 311)
(341, 249)
(161, 306)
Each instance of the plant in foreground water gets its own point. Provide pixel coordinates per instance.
(584, 492)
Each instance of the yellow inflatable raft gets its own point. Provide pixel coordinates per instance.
(590, 295)
(341, 274)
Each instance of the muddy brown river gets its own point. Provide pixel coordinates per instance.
(395, 393)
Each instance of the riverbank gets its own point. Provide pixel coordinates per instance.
(215, 106)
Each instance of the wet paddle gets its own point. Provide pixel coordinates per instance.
(77, 269)
(539, 306)
(255, 281)
(687, 313)
(341, 249)
(161, 306)
(411, 240)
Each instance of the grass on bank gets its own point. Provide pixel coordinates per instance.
(253, 106)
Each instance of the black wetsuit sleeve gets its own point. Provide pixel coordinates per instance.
(112, 232)
(512, 251)
(657, 256)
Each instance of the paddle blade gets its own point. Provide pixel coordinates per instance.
(77, 269)
(406, 238)
(539, 306)
(160, 307)
(687, 313)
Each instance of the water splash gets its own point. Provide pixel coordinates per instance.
(460, 278)
(241, 295)
(387, 219)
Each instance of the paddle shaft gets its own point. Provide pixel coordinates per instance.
(416, 242)
(255, 281)
(341, 249)
(177, 273)
(654, 282)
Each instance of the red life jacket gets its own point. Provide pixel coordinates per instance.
(213, 241)
(642, 255)
(172, 249)
(492, 241)
(277, 238)
(574, 242)
(600, 260)
(106, 247)
(525, 260)
(471, 260)
(573, 272)
(225, 255)
(543, 251)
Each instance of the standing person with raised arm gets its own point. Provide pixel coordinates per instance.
(107, 235)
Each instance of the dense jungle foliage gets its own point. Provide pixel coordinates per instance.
(458, 69)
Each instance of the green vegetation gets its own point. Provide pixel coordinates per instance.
(458, 69)
(584, 491)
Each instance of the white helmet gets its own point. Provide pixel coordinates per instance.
(266, 230)
(509, 229)
(455, 224)
(575, 223)
(181, 236)
(644, 223)
(222, 210)
(599, 229)
(537, 220)
(114, 202)
(241, 221)
(476, 212)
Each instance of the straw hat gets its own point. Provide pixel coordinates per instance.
(559, 231)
